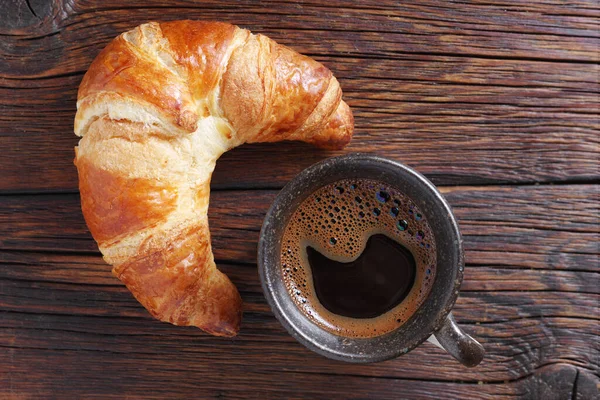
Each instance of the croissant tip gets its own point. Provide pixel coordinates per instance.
(339, 130)
(223, 328)
(228, 323)
(225, 333)
(333, 142)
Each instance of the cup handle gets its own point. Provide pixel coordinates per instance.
(468, 351)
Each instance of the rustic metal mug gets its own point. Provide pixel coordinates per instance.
(432, 321)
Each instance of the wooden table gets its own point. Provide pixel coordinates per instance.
(495, 101)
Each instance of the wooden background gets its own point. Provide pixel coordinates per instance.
(496, 101)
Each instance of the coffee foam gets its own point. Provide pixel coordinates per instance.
(338, 220)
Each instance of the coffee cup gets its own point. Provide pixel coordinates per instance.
(361, 260)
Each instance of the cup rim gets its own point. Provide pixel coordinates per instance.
(431, 314)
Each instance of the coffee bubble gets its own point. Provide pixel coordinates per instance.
(346, 214)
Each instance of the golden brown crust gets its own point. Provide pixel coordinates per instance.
(114, 206)
(179, 283)
(269, 91)
(199, 48)
(157, 107)
(119, 69)
(338, 131)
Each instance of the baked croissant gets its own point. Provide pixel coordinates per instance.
(155, 110)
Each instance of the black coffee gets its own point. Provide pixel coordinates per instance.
(377, 281)
(358, 258)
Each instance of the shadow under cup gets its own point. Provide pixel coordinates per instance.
(431, 318)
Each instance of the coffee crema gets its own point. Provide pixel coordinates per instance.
(336, 227)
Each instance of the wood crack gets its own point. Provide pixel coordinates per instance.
(31, 9)
(574, 394)
(390, 56)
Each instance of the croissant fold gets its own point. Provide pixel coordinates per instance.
(156, 109)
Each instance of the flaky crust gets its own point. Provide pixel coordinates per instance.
(156, 109)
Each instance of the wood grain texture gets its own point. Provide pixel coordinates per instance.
(515, 86)
(497, 101)
(531, 298)
(540, 227)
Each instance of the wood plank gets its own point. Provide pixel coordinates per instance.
(102, 325)
(142, 375)
(526, 31)
(534, 227)
(80, 297)
(135, 376)
(505, 134)
(91, 269)
(418, 94)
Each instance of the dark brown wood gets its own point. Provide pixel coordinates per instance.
(540, 227)
(517, 87)
(496, 101)
(523, 300)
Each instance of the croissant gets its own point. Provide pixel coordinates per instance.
(156, 109)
